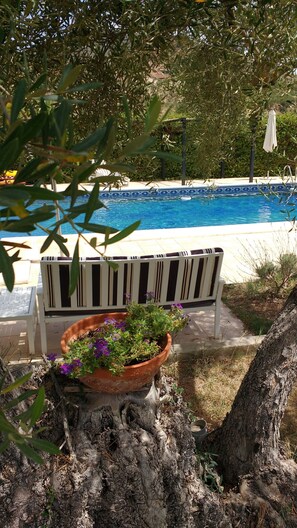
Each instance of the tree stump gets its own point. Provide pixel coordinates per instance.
(131, 463)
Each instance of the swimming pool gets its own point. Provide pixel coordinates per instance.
(187, 207)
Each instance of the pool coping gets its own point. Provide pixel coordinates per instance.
(210, 189)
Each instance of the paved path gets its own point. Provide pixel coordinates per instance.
(196, 336)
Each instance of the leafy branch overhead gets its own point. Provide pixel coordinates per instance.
(38, 142)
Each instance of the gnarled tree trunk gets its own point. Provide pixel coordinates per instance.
(129, 461)
(249, 436)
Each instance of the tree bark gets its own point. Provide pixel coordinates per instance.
(132, 464)
(249, 436)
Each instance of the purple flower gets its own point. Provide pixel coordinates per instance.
(77, 363)
(101, 348)
(179, 306)
(110, 322)
(52, 357)
(66, 368)
(120, 325)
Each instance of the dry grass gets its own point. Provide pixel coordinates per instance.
(210, 381)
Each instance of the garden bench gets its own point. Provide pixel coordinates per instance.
(190, 278)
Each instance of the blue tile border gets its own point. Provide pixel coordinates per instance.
(198, 191)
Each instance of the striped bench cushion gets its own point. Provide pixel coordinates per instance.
(189, 277)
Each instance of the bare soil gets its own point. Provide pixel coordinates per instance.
(268, 307)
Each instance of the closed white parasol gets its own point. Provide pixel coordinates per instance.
(270, 141)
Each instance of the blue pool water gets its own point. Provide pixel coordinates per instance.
(178, 212)
(162, 213)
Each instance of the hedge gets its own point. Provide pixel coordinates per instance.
(236, 155)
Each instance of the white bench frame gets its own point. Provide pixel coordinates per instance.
(191, 278)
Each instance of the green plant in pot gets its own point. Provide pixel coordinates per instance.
(125, 349)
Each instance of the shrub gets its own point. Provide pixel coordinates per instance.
(204, 161)
(278, 277)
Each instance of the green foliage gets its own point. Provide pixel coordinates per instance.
(276, 278)
(237, 163)
(36, 139)
(18, 421)
(203, 162)
(209, 468)
(227, 72)
(225, 63)
(117, 344)
(288, 265)
(169, 142)
(49, 507)
(172, 138)
(118, 43)
(265, 270)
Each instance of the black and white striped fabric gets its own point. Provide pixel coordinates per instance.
(190, 278)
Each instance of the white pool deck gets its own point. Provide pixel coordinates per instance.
(243, 245)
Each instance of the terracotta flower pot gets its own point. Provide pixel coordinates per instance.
(133, 378)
